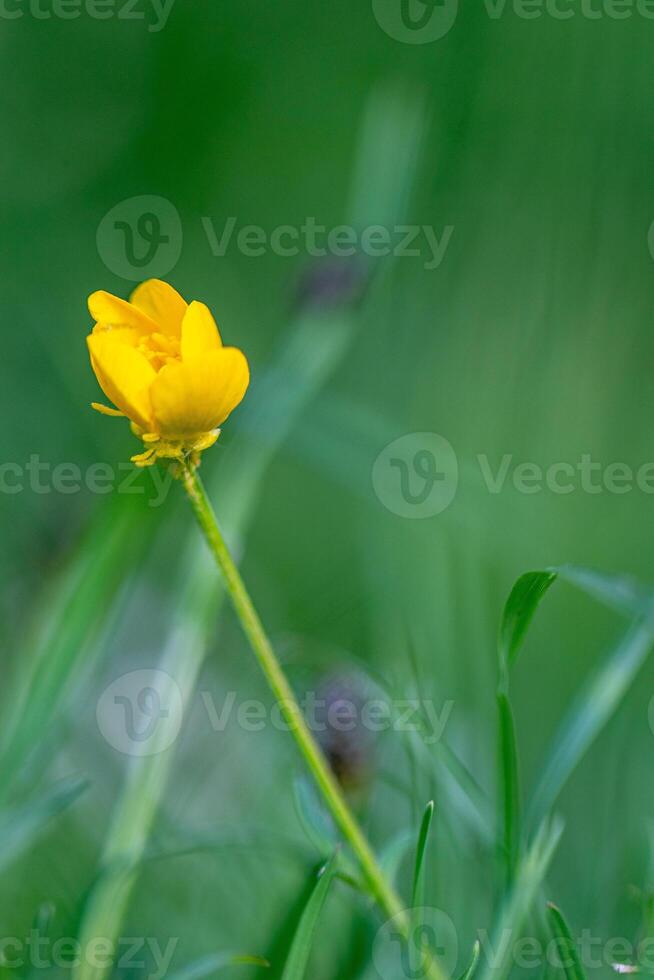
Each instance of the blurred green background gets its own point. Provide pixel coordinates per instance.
(532, 138)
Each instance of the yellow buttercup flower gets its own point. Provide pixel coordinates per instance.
(163, 365)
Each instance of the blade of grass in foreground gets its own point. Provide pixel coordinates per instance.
(208, 965)
(418, 889)
(317, 343)
(590, 711)
(567, 947)
(65, 634)
(469, 973)
(518, 613)
(20, 825)
(529, 877)
(394, 852)
(600, 695)
(298, 957)
(509, 796)
(519, 610)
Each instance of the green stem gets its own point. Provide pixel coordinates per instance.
(283, 693)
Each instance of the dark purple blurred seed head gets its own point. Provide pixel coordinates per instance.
(332, 282)
(347, 744)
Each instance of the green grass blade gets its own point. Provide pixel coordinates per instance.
(524, 599)
(466, 796)
(21, 825)
(509, 777)
(469, 973)
(315, 820)
(417, 890)
(207, 965)
(392, 855)
(63, 640)
(298, 957)
(614, 591)
(594, 705)
(617, 592)
(592, 708)
(388, 153)
(519, 610)
(320, 830)
(567, 947)
(528, 880)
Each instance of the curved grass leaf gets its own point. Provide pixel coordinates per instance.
(591, 709)
(617, 592)
(320, 830)
(519, 610)
(600, 695)
(298, 957)
(207, 965)
(417, 891)
(393, 853)
(470, 971)
(316, 822)
(567, 948)
(464, 792)
(21, 825)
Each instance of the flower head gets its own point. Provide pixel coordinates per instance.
(162, 363)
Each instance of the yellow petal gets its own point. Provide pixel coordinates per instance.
(109, 310)
(127, 335)
(195, 396)
(206, 441)
(199, 331)
(124, 375)
(162, 304)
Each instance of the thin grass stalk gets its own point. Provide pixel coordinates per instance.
(262, 648)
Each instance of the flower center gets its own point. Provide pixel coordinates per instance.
(159, 349)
